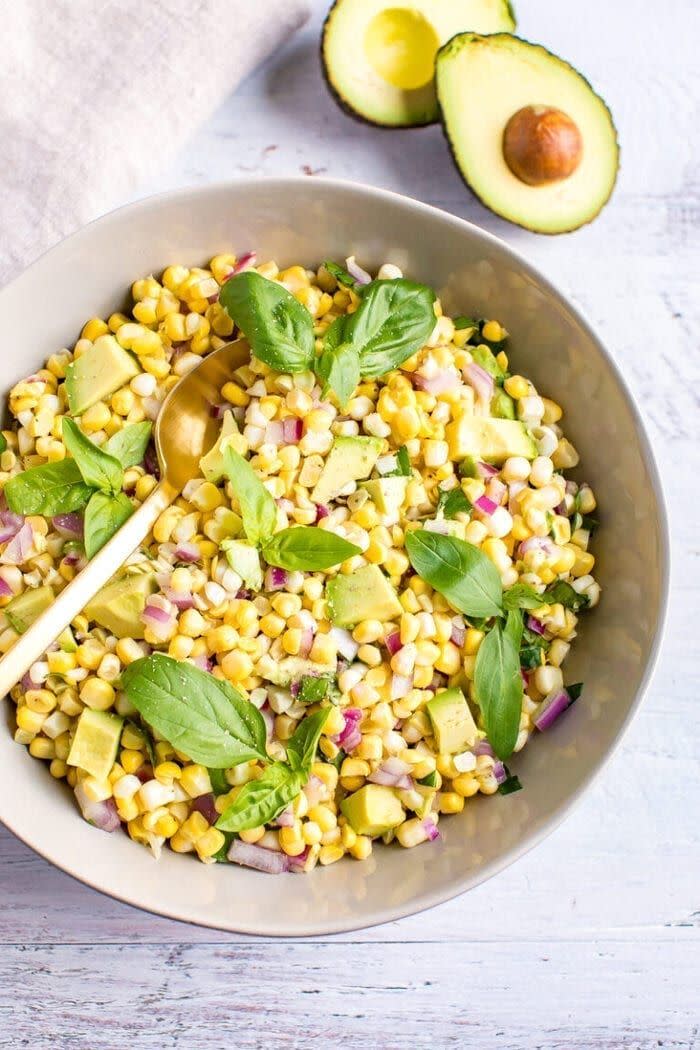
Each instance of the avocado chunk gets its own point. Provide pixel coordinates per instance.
(244, 560)
(350, 459)
(564, 132)
(95, 742)
(491, 440)
(119, 606)
(484, 356)
(365, 595)
(373, 810)
(292, 669)
(97, 373)
(212, 465)
(23, 610)
(502, 405)
(453, 723)
(387, 494)
(379, 58)
(67, 642)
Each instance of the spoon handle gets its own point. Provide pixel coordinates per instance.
(32, 645)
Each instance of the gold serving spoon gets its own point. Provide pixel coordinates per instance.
(185, 431)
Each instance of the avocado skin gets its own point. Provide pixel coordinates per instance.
(345, 106)
(443, 125)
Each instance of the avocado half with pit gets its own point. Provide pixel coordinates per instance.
(379, 57)
(530, 136)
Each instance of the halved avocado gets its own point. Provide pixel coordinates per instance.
(379, 57)
(510, 106)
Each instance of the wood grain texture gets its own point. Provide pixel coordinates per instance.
(593, 940)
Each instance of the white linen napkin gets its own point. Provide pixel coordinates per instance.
(97, 95)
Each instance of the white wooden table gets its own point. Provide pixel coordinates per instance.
(593, 940)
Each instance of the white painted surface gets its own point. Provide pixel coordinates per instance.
(593, 940)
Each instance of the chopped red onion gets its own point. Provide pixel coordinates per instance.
(536, 543)
(252, 856)
(486, 470)
(73, 558)
(352, 716)
(431, 829)
(353, 740)
(102, 815)
(275, 579)
(204, 663)
(560, 509)
(307, 640)
(393, 643)
(553, 705)
(69, 525)
(296, 864)
(571, 488)
(485, 505)
(285, 819)
(155, 613)
(268, 718)
(458, 634)
(533, 624)
(182, 600)
(5, 589)
(187, 552)
(401, 685)
(17, 550)
(274, 432)
(356, 271)
(293, 429)
(314, 789)
(218, 411)
(483, 748)
(345, 643)
(204, 804)
(27, 682)
(481, 381)
(438, 384)
(499, 771)
(321, 511)
(11, 520)
(244, 262)
(393, 772)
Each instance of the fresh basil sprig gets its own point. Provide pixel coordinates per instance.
(522, 596)
(458, 570)
(342, 275)
(104, 515)
(302, 745)
(200, 715)
(453, 503)
(340, 371)
(54, 488)
(498, 683)
(562, 593)
(258, 508)
(307, 548)
(129, 444)
(99, 470)
(393, 321)
(279, 329)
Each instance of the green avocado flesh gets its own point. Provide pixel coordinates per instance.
(373, 810)
(365, 595)
(379, 57)
(97, 373)
(492, 440)
(119, 605)
(95, 742)
(452, 721)
(482, 81)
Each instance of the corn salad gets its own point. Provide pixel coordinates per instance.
(534, 527)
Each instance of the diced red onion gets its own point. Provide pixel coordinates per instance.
(571, 488)
(486, 470)
(5, 589)
(393, 643)
(249, 855)
(321, 511)
(535, 543)
(393, 772)
(485, 505)
(499, 771)
(496, 490)
(458, 634)
(204, 663)
(145, 772)
(293, 429)
(187, 552)
(438, 384)
(17, 550)
(102, 815)
(483, 748)
(553, 705)
(275, 579)
(274, 432)
(401, 685)
(352, 716)
(155, 613)
(353, 740)
(438, 681)
(431, 829)
(244, 262)
(356, 271)
(285, 819)
(297, 863)
(268, 718)
(481, 381)
(181, 599)
(73, 558)
(27, 682)
(11, 520)
(69, 525)
(204, 804)
(7, 532)
(218, 411)
(314, 789)
(307, 640)
(560, 509)
(345, 643)
(533, 624)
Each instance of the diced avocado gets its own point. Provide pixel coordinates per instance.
(387, 494)
(350, 459)
(484, 357)
(364, 595)
(95, 742)
(529, 135)
(379, 58)
(469, 468)
(23, 610)
(245, 560)
(212, 465)
(492, 440)
(120, 604)
(67, 642)
(292, 669)
(502, 405)
(373, 810)
(453, 724)
(97, 373)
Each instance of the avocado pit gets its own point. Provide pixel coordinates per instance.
(542, 145)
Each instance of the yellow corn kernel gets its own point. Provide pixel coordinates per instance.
(97, 694)
(327, 773)
(166, 772)
(552, 411)
(517, 386)
(237, 666)
(583, 564)
(40, 700)
(95, 418)
(291, 841)
(450, 802)
(194, 827)
(361, 848)
(94, 328)
(209, 843)
(194, 779)
(330, 854)
(42, 747)
(97, 790)
(252, 835)
(465, 785)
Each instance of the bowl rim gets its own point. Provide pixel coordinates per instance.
(532, 839)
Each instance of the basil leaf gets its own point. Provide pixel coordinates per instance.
(128, 446)
(510, 784)
(498, 684)
(403, 465)
(521, 596)
(219, 783)
(337, 333)
(453, 502)
(258, 508)
(3, 443)
(301, 747)
(54, 488)
(99, 470)
(279, 329)
(198, 714)
(393, 321)
(261, 800)
(563, 593)
(458, 570)
(308, 548)
(431, 781)
(104, 515)
(462, 322)
(340, 371)
(532, 649)
(341, 274)
(574, 691)
(313, 688)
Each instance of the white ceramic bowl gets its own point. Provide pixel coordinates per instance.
(308, 220)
